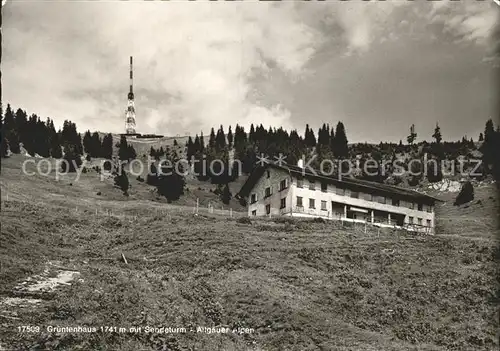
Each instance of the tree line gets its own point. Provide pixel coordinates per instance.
(40, 137)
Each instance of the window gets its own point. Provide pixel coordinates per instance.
(253, 198)
(283, 185)
(340, 191)
(268, 174)
(420, 207)
(300, 183)
(411, 205)
(299, 201)
(355, 194)
(312, 185)
(369, 197)
(429, 208)
(268, 209)
(347, 192)
(283, 203)
(381, 199)
(419, 221)
(323, 205)
(324, 187)
(428, 222)
(254, 213)
(311, 203)
(268, 192)
(410, 220)
(395, 202)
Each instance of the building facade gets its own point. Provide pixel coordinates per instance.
(277, 190)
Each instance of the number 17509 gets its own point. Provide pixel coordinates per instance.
(28, 329)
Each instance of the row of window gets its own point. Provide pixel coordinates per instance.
(324, 208)
(268, 191)
(365, 196)
(343, 192)
(312, 203)
(419, 221)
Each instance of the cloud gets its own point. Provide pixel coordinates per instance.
(198, 65)
(467, 21)
(198, 59)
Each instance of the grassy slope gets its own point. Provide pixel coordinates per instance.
(301, 285)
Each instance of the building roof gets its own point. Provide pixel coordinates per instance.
(349, 183)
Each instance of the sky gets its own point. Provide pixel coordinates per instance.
(377, 67)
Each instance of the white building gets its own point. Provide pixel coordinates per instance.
(294, 191)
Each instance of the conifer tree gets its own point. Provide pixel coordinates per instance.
(490, 143)
(251, 135)
(211, 141)
(87, 142)
(131, 154)
(107, 147)
(42, 141)
(10, 131)
(190, 147)
(413, 135)
(226, 194)
(170, 181)
(152, 176)
(123, 151)
(121, 180)
(3, 143)
(202, 143)
(95, 143)
(332, 140)
(312, 138)
(21, 125)
(437, 134)
(465, 195)
(55, 145)
(71, 159)
(230, 138)
(220, 139)
(341, 145)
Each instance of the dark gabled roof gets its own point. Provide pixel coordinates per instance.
(350, 183)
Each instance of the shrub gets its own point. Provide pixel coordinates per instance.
(121, 181)
(71, 161)
(244, 220)
(107, 165)
(465, 195)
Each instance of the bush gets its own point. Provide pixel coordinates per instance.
(244, 220)
(121, 181)
(465, 195)
(107, 165)
(71, 161)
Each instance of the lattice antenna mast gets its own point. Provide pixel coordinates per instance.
(130, 111)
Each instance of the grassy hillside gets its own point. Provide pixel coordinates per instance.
(82, 191)
(295, 284)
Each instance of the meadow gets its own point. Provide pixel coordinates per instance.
(274, 283)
